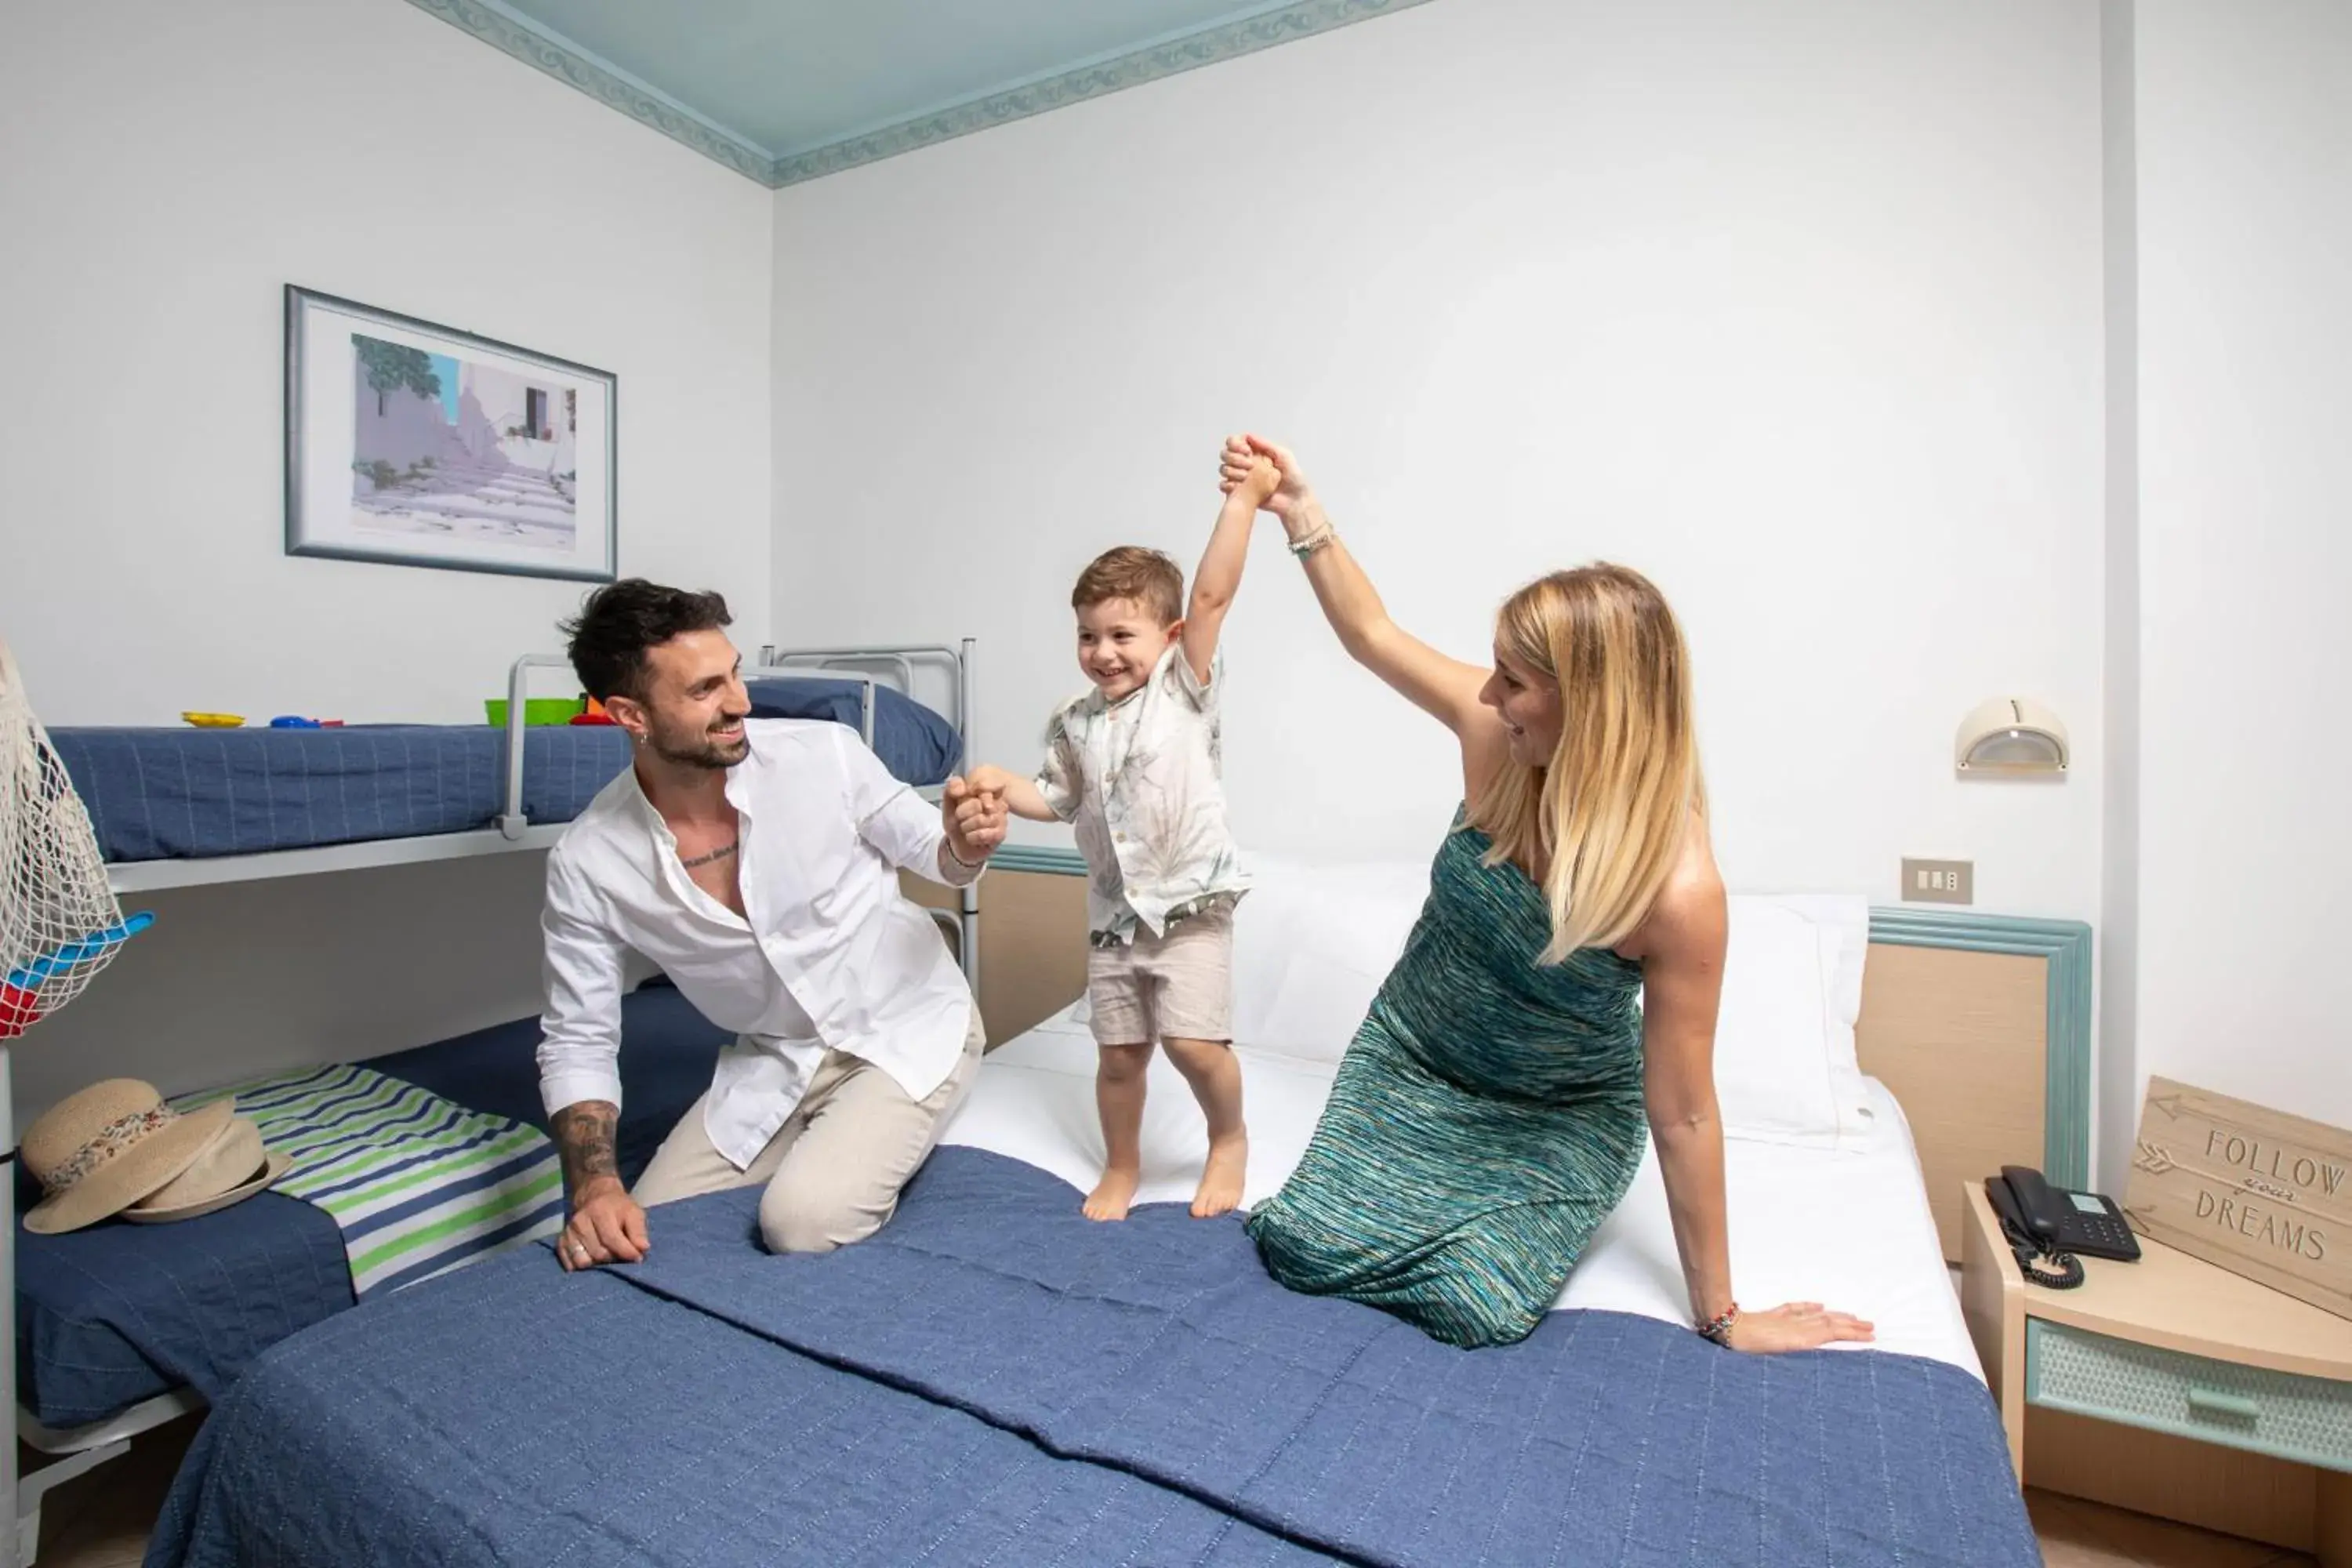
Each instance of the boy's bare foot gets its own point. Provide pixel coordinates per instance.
(1112, 1194)
(1222, 1177)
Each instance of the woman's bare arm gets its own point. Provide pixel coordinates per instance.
(1443, 687)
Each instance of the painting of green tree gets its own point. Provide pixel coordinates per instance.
(391, 366)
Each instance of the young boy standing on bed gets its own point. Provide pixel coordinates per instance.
(1134, 765)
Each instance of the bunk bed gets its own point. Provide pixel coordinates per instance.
(116, 1333)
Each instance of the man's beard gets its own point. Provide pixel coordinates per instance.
(703, 752)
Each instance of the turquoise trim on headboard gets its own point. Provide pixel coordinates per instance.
(2066, 945)
(1047, 859)
(2066, 1052)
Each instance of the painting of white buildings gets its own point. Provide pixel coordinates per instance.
(444, 445)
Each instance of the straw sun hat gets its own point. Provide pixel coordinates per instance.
(116, 1145)
(231, 1167)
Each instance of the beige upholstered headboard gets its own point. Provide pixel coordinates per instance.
(1979, 1024)
(1033, 937)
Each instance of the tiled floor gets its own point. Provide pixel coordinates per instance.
(101, 1520)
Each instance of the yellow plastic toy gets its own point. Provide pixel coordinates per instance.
(214, 721)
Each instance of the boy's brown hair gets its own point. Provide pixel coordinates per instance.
(1131, 571)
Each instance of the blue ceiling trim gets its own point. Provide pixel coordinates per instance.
(535, 45)
(607, 83)
(1208, 47)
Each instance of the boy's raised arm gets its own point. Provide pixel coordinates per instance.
(1220, 574)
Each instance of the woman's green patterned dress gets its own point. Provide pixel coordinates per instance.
(1488, 1117)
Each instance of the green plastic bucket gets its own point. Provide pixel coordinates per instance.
(535, 709)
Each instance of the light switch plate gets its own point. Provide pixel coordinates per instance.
(1939, 882)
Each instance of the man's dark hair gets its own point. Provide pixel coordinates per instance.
(621, 620)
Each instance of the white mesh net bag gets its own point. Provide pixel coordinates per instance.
(59, 924)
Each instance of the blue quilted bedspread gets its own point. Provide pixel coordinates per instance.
(994, 1380)
(117, 1313)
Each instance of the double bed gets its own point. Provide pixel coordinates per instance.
(993, 1379)
(1848, 1225)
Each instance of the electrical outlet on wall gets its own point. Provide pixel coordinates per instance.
(1939, 882)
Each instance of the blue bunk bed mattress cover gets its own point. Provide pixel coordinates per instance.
(162, 793)
(994, 1379)
(116, 1314)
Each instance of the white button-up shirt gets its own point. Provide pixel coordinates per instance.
(1140, 780)
(827, 953)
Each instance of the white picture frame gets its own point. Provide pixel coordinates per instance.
(417, 445)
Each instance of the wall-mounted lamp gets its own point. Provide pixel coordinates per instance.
(2010, 735)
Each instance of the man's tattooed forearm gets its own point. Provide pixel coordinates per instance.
(584, 1137)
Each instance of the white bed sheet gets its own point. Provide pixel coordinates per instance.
(1847, 1226)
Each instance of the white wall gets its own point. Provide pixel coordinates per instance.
(2245, 193)
(1795, 308)
(238, 981)
(167, 169)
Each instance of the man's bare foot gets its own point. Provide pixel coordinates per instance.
(1112, 1194)
(1222, 1177)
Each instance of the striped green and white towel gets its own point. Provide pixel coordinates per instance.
(417, 1184)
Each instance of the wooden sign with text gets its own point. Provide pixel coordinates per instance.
(2257, 1192)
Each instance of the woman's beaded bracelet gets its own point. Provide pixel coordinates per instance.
(1720, 1329)
(1310, 544)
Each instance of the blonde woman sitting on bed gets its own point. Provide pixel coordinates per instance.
(1558, 990)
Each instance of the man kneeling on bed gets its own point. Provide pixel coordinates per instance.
(756, 862)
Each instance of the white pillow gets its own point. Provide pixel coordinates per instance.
(1311, 945)
(1844, 921)
(1785, 1070)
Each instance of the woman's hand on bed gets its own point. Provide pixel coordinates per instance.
(607, 1226)
(1798, 1326)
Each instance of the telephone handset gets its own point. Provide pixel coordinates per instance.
(2043, 1222)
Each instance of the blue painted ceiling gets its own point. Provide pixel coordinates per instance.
(785, 89)
(792, 75)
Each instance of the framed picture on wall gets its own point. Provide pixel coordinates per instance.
(420, 445)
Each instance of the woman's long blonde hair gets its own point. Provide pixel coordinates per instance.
(1607, 816)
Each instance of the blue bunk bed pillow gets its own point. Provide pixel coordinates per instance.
(915, 743)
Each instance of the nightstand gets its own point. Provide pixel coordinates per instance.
(2171, 1387)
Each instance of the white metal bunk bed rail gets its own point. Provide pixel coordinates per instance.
(774, 660)
(512, 822)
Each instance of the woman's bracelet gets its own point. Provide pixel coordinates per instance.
(1313, 540)
(948, 844)
(1720, 1329)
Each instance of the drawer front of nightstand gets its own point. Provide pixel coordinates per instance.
(2307, 1419)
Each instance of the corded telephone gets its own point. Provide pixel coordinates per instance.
(2044, 1222)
